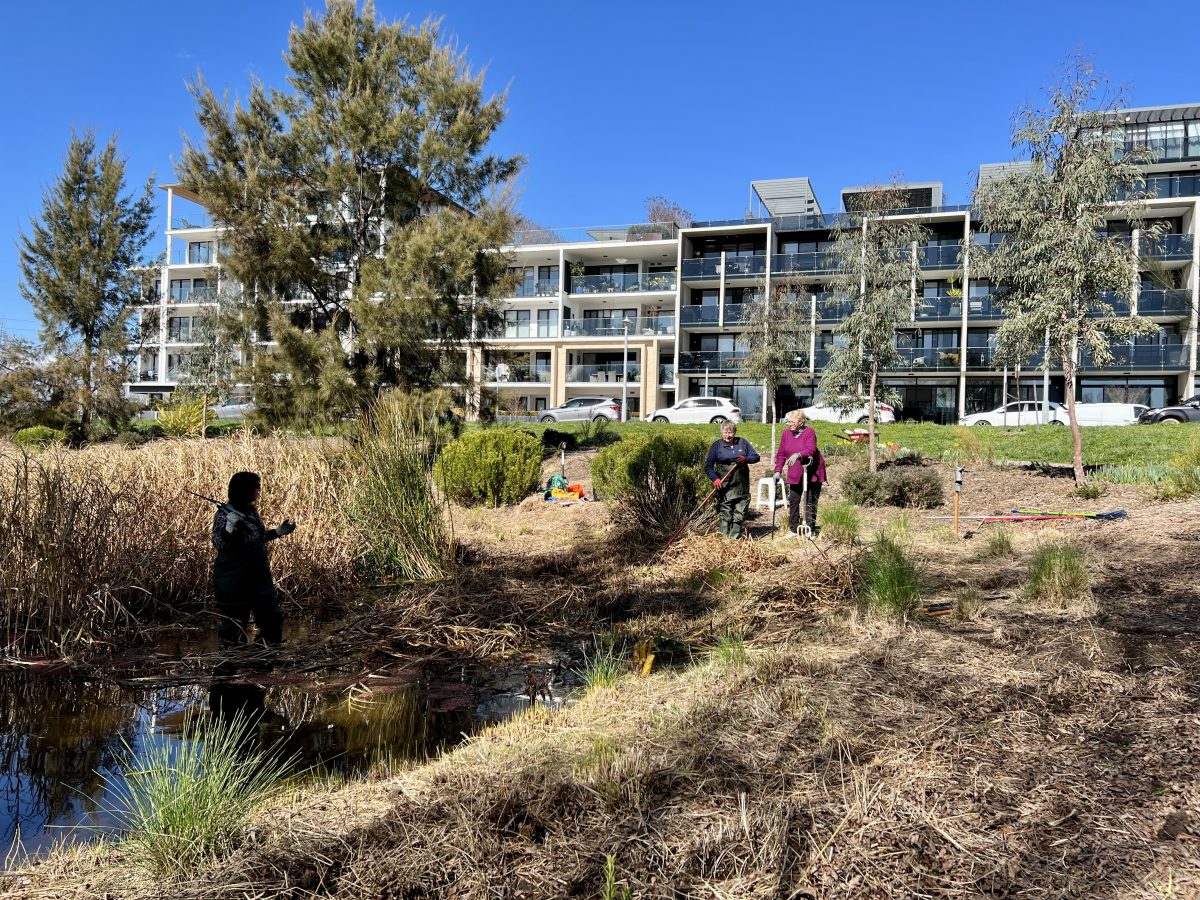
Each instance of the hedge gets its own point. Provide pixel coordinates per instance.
(492, 467)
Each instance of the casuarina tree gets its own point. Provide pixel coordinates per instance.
(873, 266)
(81, 271)
(1060, 265)
(360, 210)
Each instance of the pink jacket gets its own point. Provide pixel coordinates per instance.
(804, 443)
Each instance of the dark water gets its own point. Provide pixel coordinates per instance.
(60, 733)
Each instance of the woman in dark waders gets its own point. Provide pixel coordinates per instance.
(728, 467)
(242, 573)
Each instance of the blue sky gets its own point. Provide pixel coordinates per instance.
(609, 102)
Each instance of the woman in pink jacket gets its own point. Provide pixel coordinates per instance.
(799, 456)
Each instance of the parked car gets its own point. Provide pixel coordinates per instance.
(580, 409)
(1185, 411)
(884, 414)
(1107, 413)
(698, 410)
(1022, 412)
(233, 408)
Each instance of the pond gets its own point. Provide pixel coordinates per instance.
(61, 733)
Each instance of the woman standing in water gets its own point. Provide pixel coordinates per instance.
(242, 573)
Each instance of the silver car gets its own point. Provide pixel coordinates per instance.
(580, 409)
(233, 408)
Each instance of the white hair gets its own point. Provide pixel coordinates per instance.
(796, 415)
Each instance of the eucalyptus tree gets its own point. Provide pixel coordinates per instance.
(873, 265)
(1060, 265)
(778, 329)
(361, 210)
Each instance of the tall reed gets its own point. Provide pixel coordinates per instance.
(402, 525)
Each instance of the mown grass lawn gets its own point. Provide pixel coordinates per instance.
(1102, 445)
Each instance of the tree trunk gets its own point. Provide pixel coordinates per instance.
(85, 396)
(1076, 435)
(871, 418)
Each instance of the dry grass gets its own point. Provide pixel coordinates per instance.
(94, 540)
(1021, 754)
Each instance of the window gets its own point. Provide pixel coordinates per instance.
(547, 323)
(200, 252)
(179, 328)
(516, 323)
(181, 290)
(688, 404)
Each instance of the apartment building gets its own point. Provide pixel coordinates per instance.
(656, 310)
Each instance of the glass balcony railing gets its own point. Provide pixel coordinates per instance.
(700, 315)
(1142, 356)
(622, 283)
(612, 327)
(822, 356)
(196, 295)
(1173, 302)
(931, 358)
(981, 358)
(815, 261)
(939, 308)
(711, 361)
(1167, 186)
(984, 306)
(1167, 247)
(530, 330)
(735, 267)
(507, 373)
(833, 308)
(543, 287)
(1120, 305)
(736, 312)
(588, 234)
(602, 373)
(940, 256)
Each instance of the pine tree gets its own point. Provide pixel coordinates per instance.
(1059, 267)
(874, 264)
(80, 270)
(365, 190)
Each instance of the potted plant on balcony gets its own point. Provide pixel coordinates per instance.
(578, 270)
(652, 231)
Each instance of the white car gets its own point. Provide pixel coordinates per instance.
(233, 408)
(1025, 412)
(884, 414)
(698, 411)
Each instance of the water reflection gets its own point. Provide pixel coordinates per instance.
(58, 733)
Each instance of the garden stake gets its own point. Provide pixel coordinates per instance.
(695, 512)
(958, 479)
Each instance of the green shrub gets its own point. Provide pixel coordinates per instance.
(491, 467)
(100, 432)
(839, 521)
(151, 429)
(38, 437)
(889, 579)
(597, 432)
(653, 481)
(1058, 576)
(913, 486)
(1183, 475)
(130, 439)
(1090, 491)
(1133, 473)
(393, 504)
(185, 805)
(182, 418)
(998, 543)
(730, 648)
(603, 667)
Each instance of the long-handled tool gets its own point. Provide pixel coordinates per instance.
(217, 503)
(679, 532)
(1106, 516)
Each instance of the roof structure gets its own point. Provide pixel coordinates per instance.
(787, 196)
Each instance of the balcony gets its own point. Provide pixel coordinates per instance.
(196, 295)
(1120, 305)
(504, 373)
(602, 373)
(700, 315)
(736, 312)
(1175, 302)
(1142, 356)
(936, 308)
(543, 287)
(1167, 247)
(833, 308)
(650, 231)
(666, 374)
(622, 283)
(526, 330)
(821, 358)
(984, 306)
(981, 358)
(715, 362)
(814, 262)
(612, 327)
(920, 359)
(735, 267)
(939, 256)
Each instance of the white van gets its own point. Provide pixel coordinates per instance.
(1107, 413)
